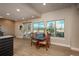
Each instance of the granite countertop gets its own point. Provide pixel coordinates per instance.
(7, 36)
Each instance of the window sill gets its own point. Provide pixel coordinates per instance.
(60, 38)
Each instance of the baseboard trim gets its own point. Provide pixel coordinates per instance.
(19, 37)
(64, 45)
(75, 49)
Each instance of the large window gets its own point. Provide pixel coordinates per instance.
(56, 28)
(38, 26)
(60, 28)
(35, 26)
(51, 27)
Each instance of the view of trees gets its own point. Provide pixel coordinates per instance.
(60, 28)
(38, 26)
(51, 27)
(55, 28)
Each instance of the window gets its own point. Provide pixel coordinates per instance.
(60, 28)
(38, 26)
(35, 27)
(27, 27)
(41, 26)
(51, 27)
(56, 28)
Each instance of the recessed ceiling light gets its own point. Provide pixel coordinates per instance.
(32, 16)
(18, 10)
(8, 14)
(44, 3)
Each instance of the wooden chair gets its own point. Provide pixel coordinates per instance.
(45, 42)
(33, 40)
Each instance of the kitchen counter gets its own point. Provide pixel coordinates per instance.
(6, 45)
(7, 36)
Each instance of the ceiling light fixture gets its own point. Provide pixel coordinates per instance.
(32, 16)
(8, 14)
(18, 10)
(44, 4)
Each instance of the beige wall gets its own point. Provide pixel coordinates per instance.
(74, 36)
(18, 33)
(7, 26)
(71, 38)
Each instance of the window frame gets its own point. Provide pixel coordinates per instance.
(38, 25)
(45, 26)
(55, 28)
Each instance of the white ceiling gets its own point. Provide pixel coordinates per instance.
(27, 10)
(49, 7)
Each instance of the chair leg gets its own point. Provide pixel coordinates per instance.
(37, 44)
(31, 43)
(46, 47)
